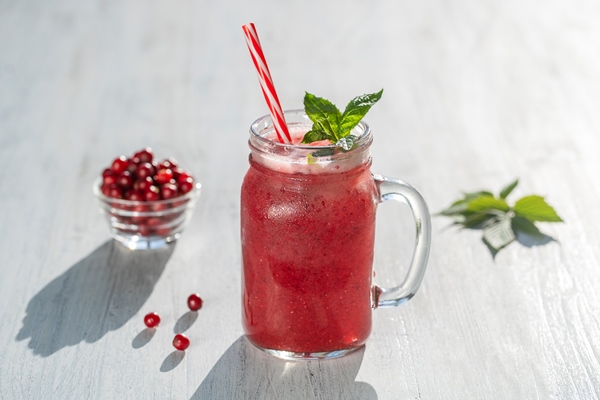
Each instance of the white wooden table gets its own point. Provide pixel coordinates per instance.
(476, 94)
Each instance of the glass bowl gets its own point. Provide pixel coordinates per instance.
(147, 224)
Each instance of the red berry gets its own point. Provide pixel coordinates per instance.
(181, 342)
(145, 155)
(152, 194)
(152, 320)
(194, 302)
(119, 164)
(115, 191)
(143, 184)
(183, 176)
(134, 195)
(132, 164)
(105, 188)
(186, 185)
(125, 180)
(143, 230)
(108, 176)
(163, 175)
(168, 191)
(144, 170)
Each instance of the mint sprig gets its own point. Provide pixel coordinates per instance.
(331, 124)
(502, 223)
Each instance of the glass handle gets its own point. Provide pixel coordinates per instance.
(395, 189)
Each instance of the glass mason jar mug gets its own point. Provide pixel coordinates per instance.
(308, 234)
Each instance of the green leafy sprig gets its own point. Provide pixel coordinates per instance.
(330, 124)
(500, 222)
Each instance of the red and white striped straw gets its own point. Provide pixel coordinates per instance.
(266, 83)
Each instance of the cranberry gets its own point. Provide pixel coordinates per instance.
(181, 342)
(152, 320)
(119, 164)
(109, 177)
(143, 184)
(105, 188)
(194, 302)
(177, 172)
(168, 164)
(186, 185)
(132, 164)
(115, 191)
(125, 180)
(163, 175)
(145, 155)
(144, 170)
(152, 194)
(159, 206)
(143, 230)
(134, 195)
(168, 191)
(183, 176)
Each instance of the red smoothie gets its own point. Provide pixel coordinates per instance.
(307, 249)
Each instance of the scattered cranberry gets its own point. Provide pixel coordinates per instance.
(163, 175)
(120, 164)
(181, 342)
(194, 302)
(152, 320)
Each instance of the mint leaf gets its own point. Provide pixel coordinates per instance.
(535, 208)
(324, 113)
(478, 220)
(315, 135)
(501, 223)
(484, 203)
(508, 189)
(523, 225)
(499, 234)
(347, 142)
(460, 206)
(356, 109)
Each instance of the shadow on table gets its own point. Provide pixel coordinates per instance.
(244, 372)
(100, 293)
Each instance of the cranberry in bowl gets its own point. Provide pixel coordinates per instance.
(146, 203)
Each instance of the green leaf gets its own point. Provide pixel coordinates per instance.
(324, 113)
(315, 135)
(535, 208)
(508, 189)
(480, 193)
(346, 143)
(499, 233)
(460, 206)
(485, 203)
(356, 109)
(478, 220)
(523, 225)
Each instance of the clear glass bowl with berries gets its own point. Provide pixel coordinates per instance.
(146, 203)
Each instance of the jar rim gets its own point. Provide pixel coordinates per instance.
(258, 134)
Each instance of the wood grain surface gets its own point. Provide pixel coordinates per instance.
(476, 94)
